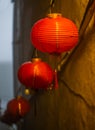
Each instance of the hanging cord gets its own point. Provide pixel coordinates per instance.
(51, 5)
(55, 72)
(19, 91)
(36, 53)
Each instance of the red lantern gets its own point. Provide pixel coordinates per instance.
(36, 74)
(54, 34)
(9, 118)
(18, 107)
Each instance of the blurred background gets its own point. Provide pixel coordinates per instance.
(72, 105)
(6, 50)
(6, 55)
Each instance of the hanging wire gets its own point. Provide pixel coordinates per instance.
(19, 91)
(51, 5)
(36, 53)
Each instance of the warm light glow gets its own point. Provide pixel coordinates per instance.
(36, 74)
(27, 91)
(54, 34)
(19, 107)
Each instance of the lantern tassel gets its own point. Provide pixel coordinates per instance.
(55, 79)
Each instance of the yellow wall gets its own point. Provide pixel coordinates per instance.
(72, 105)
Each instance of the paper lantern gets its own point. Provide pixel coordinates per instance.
(9, 118)
(54, 34)
(36, 74)
(18, 107)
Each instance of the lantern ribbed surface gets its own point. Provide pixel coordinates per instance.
(18, 106)
(54, 34)
(36, 74)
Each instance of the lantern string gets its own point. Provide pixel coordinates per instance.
(36, 53)
(51, 4)
(62, 59)
(19, 90)
(55, 73)
(33, 52)
(55, 79)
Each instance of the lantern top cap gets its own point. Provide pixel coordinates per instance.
(18, 97)
(54, 15)
(36, 59)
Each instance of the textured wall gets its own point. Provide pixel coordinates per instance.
(79, 77)
(71, 106)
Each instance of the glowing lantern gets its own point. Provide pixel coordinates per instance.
(54, 34)
(36, 74)
(18, 107)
